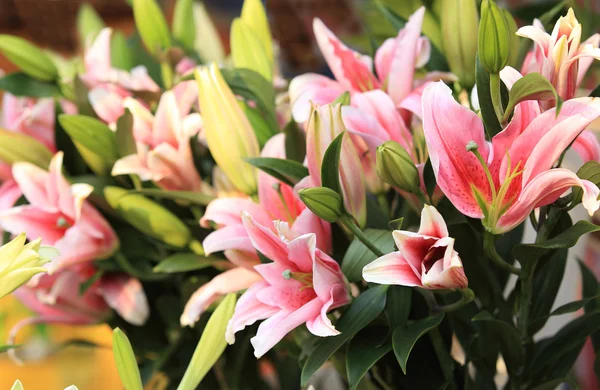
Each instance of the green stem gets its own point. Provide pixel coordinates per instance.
(526, 279)
(467, 296)
(496, 96)
(124, 263)
(349, 223)
(490, 251)
(441, 351)
(167, 74)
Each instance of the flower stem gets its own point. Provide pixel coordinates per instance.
(496, 96)
(349, 223)
(467, 296)
(490, 251)
(167, 74)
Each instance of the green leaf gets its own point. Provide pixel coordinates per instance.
(595, 92)
(429, 178)
(295, 142)
(589, 288)
(365, 349)
(510, 342)
(211, 346)
(18, 147)
(151, 26)
(405, 338)
(261, 128)
(396, 224)
(398, 305)
(89, 24)
(121, 56)
(184, 27)
(4, 348)
(490, 120)
(589, 171)
(361, 312)
(84, 107)
(183, 262)
(92, 134)
(247, 51)
(254, 87)
(124, 135)
(20, 84)
(547, 280)
(532, 86)
(125, 361)
(288, 171)
(566, 239)
(184, 196)
(358, 255)
(83, 287)
(28, 57)
(330, 166)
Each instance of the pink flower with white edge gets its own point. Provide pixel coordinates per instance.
(277, 202)
(561, 57)
(503, 182)
(30, 116)
(425, 259)
(59, 214)
(164, 154)
(56, 298)
(300, 286)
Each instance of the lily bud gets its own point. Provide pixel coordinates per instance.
(323, 202)
(459, 27)
(229, 134)
(395, 167)
(148, 216)
(18, 147)
(494, 39)
(20, 262)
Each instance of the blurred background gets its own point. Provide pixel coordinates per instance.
(59, 356)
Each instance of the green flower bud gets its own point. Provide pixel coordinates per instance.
(395, 167)
(18, 147)
(459, 27)
(324, 202)
(494, 39)
(148, 216)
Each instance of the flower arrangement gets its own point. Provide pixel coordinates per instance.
(240, 232)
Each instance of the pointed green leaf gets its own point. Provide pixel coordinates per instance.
(361, 312)
(4, 348)
(91, 133)
(184, 262)
(184, 196)
(125, 361)
(482, 79)
(365, 349)
(184, 28)
(211, 346)
(288, 171)
(589, 171)
(295, 142)
(358, 255)
(28, 57)
(532, 86)
(19, 147)
(405, 338)
(151, 26)
(124, 135)
(89, 24)
(20, 84)
(330, 166)
(121, 56)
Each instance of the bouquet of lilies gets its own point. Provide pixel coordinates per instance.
(243, 231)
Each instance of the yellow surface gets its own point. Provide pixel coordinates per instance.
(87, 368)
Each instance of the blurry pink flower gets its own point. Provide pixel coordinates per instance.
(30, 116)
(57, 299)
(395, 62)
(59, 214)
(560, 57)
(426, 259)
(300, 286)
(278, 207)
(164, 153)
(99, 70)
(108, 102)
(504, 181)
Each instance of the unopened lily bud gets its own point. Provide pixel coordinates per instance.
(325, 203)
(229, 134)
(494, 39)
(459, 27)
(20, 262)
(395, 166)
(148, 216)
(18, 147)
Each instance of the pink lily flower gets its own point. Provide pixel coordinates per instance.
(163, 154)
(30, 116)
(300, 286)
(277, 202)
(99, 70)
(504, 181)
(425, 259)
(560, 57)
(324, 125)
(395, 62)
(59, 214)
(56, 299)
(108, 102)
